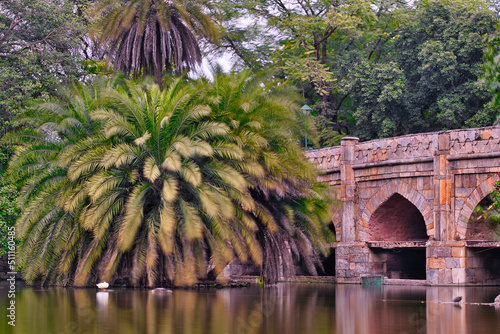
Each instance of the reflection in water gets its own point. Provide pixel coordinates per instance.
(287, 308)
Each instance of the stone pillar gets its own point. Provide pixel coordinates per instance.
(351, 256)
(348, 189)
(447, 263)
(443, 189)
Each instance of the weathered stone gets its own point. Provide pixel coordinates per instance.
(363, 268)
(452, 263)
(433, 276)
(358, 250)
(458, 251)
(436, 263)
(358, 258)
(445, 276)
(439, 252)
(458, 275)
(341, 264)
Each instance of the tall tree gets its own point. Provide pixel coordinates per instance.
(292, 212)
(321, 42)
(441, 53)
(146, 37)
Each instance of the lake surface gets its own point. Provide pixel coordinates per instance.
(288, 308)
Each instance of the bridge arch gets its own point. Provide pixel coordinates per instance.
(384, 194)
(477, 195)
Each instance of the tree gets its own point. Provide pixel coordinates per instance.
(492, 65)
(146, 37)
(162, 187)
(441, 52)
(8, 210)
(49, 235)
(39, 44)
(321, 42)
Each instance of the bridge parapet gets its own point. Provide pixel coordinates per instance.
(325, 159)
(474, 141)
(398, 148)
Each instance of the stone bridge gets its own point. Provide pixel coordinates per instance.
(408, 206)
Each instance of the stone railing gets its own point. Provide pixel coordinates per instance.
(415, 147)
(474, 141)
(326, 159)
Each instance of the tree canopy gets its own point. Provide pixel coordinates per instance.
(379, 68)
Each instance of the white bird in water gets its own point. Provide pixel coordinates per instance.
(103, 285)
(161, 290)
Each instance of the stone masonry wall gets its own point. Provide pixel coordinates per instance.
(443, 174)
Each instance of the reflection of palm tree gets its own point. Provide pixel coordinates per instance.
(146, 36)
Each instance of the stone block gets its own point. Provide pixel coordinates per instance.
(358, 250)
(340, 251)
(439, 252)
(458, 251)
(358, 258)
(363, 268)
(340, 273)
(436, 263)
(452, 262)
(458, 275)
(341, 264)
(445, 276)
(461, 192)
(350, 273)
(363, 236)
(433, 276)
(352, 266)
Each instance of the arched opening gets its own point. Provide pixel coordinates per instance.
(484, 222)
(328, 262)
(397, 219)
(483, 233)
(397, 240)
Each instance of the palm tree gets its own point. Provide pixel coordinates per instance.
(39, 166)
(144, 37)
(165, 187)
(292, 211)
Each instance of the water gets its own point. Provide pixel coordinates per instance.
(287, 308)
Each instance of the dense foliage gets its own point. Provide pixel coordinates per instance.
(39, 50)
(123, 180)
(376, 68)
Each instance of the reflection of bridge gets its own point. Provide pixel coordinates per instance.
(407, 202)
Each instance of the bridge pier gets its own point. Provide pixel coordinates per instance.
(407, 202)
